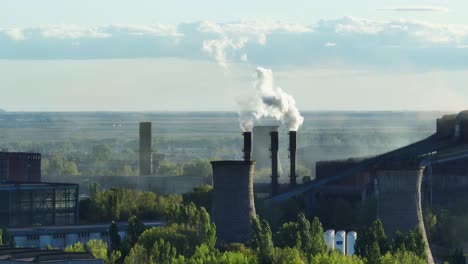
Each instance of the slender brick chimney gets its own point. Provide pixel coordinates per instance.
(292, 157)
(247, 146)
(274, 163)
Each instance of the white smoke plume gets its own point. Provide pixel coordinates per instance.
(270, 102)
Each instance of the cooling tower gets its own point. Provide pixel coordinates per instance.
(146, 149)
(233, 199)
(274, 147)
(292, 157)
(261, 147)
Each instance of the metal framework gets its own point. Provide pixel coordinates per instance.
(39, 204)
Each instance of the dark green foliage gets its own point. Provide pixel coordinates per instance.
(457, 257)
(5, 238)
(374, 234)
(413, 242)
(186, 228)
(198, 167)
(288, 235)
(114, 237)
(201, 196)
(134, 230)
(261, 240)
(163, 252)
(121, 204)
(137, 255)
(373, 256)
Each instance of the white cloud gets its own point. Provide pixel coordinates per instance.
(244, 57)
(437, 9)
(72, 32)
(15, 34)
(390, 43)
(152, 30)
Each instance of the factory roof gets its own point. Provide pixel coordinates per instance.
(73, 228)
(34, 255)
(233, 162)
(13, 186)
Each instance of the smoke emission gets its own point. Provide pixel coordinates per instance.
(270, 102)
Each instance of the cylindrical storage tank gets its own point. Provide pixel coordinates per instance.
(233, 199)
(351, 238)
(340, 241)
(330, 239)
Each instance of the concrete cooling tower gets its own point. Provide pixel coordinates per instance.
(261, 147)
(233, 199)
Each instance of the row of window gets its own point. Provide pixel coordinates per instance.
(62, 235)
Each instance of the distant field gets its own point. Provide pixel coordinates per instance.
(324, 135)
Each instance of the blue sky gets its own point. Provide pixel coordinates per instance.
(201, 55)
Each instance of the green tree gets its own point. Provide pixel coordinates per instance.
(77, 247)
(374, 254)
(5, 238)
(137, 255)
(374, 234)
(101, 152)
(114, 257)
(201, 196)
(457, 257)
(97, 248)
(134, 230)
(261, 241)
(318, 242)
(288, 235)
(163, 252)
(169, 168)
(200, 168)
(401, 257)
(114, 237)
(59, 166)
(287, 255)
(334, 257)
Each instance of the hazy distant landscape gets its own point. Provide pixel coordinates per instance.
(186, 136)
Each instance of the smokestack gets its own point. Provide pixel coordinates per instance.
(146, 149)
(247, 145)
(292, 157)
(274, 162)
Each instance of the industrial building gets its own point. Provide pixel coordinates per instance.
(35, 255)
(431, 171)
(65, 235)
(26, 201)
(20, 167)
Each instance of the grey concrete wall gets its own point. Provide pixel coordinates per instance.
(399, 202)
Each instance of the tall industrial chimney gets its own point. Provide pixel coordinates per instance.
(247, 146)
(146, 149)
(292, 157)
(274, 162)
(233, 199)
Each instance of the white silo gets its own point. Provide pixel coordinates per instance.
(330, 239)
(351, 238)
(340, 241)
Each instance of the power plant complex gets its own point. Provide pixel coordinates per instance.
(433, 170)
(402, 181)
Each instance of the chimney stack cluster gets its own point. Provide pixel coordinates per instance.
(274, 147)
